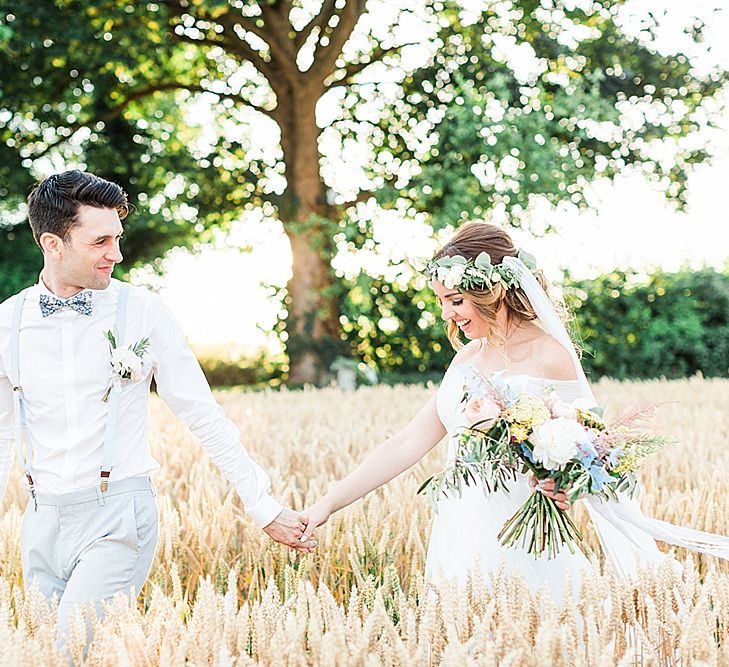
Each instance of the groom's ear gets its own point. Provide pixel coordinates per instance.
(50, 244)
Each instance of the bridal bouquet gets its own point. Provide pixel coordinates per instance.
(546, 438)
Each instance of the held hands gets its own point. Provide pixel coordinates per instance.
(546, 486)
(288, 528)
(318, 514)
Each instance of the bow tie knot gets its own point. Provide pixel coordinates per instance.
(80, 302)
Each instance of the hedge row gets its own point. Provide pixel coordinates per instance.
(630, 327)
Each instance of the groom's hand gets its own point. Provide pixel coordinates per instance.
(287, 528)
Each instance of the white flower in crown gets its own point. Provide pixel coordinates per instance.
(126, 362)
(457, 271)
(454, 275)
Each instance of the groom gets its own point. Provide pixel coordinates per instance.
(91, 524)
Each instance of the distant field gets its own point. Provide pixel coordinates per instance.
(221, 593)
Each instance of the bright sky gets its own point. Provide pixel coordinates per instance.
(218, 295)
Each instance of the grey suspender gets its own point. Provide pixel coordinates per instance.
(22, 437)
(22, 434)
(113, 414)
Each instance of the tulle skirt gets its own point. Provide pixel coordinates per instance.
(464, 540)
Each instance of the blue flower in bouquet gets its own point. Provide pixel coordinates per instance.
(505, 391)
(586, 453)
(599, 476)
(614, 457)
(527, 452)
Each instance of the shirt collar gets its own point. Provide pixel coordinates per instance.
(99, 295)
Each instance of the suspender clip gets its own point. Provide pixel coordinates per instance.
(105, 474)
(31, 488)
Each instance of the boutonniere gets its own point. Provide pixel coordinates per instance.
(126, 362)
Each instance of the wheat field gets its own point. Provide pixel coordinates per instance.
(221, 593)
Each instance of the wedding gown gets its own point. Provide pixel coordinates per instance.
(465, 529)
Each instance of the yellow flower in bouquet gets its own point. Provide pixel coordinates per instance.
(519, 433)
(628, 463)
(524, 415)
(591, 419)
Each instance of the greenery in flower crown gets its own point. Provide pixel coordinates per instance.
(457, 271)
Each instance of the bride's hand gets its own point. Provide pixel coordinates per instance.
(315, 516)
(546, 486)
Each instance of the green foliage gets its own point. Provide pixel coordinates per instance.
(479, 138)
(166, 98)
(20, 260)
(670, 325)
(226, 369)
(673, 326)
(97, 91)
(396, 328)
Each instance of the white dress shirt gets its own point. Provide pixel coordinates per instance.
(65, 371)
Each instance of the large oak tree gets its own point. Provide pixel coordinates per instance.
(110, 84)
(174, 99)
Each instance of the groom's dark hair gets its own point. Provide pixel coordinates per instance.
(53, 203)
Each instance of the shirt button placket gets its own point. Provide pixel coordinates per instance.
(70, 400)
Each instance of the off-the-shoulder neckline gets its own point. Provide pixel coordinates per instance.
(483, 376)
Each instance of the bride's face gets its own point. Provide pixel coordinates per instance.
(460, 309)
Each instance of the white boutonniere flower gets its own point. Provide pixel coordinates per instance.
(126, 362)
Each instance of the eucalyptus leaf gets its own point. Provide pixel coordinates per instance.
(483, 262)
(529, 260)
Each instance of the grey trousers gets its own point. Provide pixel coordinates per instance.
(86, 546)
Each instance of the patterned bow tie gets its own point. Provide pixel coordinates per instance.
(80, 302)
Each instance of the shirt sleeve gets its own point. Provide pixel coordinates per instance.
(7, 428)
(183, 386)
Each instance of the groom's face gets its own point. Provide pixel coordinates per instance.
(87, 257)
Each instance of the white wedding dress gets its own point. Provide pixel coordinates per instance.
(465, 529)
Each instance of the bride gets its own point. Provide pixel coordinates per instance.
(515, 332)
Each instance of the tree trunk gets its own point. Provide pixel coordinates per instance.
(313, 323)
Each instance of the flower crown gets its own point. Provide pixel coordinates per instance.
(457, 271)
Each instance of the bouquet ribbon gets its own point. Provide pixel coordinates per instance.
(627, 535)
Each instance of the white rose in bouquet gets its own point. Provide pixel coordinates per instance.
(555, 442)
(566, 410)
(584, 404)
(127, 364)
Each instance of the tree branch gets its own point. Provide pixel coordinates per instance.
(278, 29)
(325, 57)
(377, 55)
(237, 47)
(282, 57)
(320, 20)
(110, 114)
(197, 88)
(231, 41)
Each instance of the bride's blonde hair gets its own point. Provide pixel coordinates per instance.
(477, 237)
